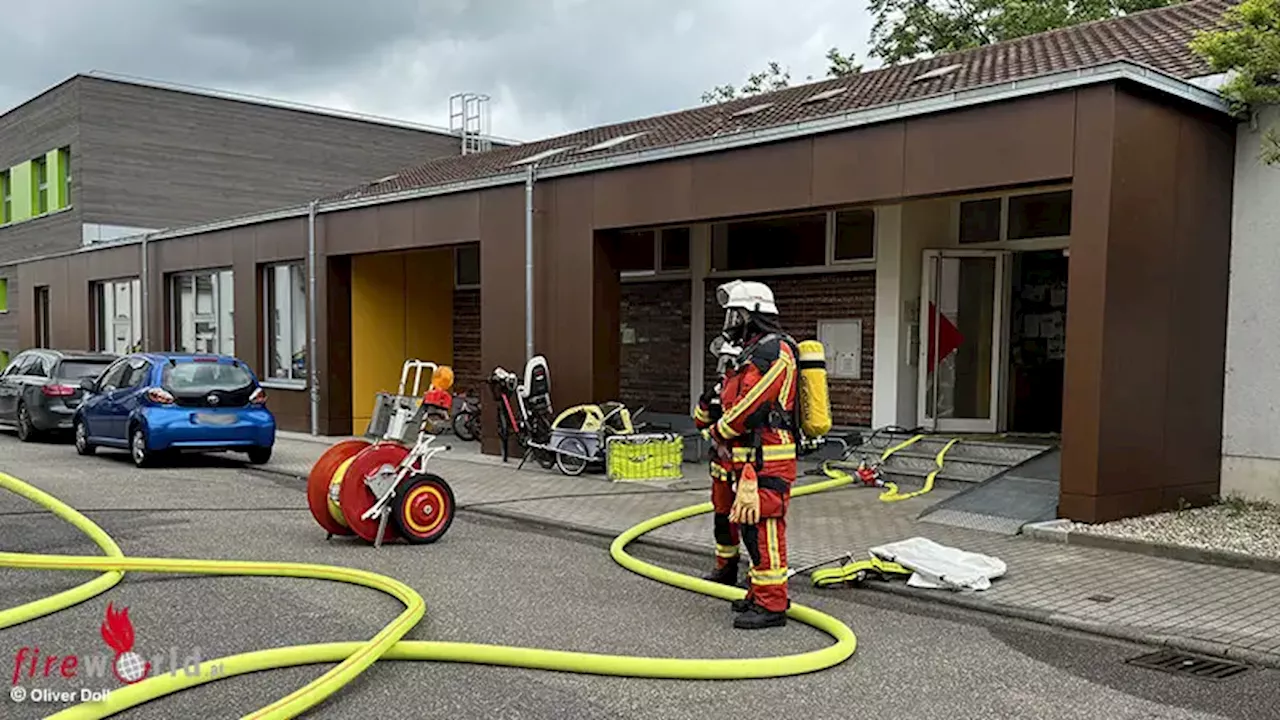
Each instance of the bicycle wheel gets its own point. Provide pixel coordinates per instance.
(571, 456)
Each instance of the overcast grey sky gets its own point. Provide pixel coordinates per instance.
(549, 65)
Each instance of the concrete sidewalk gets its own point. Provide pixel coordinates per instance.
(1199, 608)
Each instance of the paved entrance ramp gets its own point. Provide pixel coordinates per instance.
(1025, 493)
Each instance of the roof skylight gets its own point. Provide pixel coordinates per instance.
(612, 142)
(542, 155)
(937, 72)
(826, 95)
(751, 110)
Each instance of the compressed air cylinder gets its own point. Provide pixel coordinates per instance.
(815, 402)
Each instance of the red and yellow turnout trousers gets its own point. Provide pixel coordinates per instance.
(753, 396)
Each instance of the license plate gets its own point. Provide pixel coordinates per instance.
(215, 419)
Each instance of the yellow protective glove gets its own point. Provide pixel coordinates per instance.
(746, 504)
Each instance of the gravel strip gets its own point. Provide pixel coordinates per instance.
(1250, 529)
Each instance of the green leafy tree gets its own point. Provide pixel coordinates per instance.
(776, 77)
(1246, 45)
(906, 30)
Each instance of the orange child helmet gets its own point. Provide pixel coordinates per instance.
(442, 378)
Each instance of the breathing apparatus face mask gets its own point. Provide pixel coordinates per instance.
(735, 325)
(724, 353)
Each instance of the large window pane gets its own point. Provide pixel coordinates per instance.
(675, 248)
(796, 241)
(855, 235)
(118, 325)
(286, 322)
(204, 312)
(980, 221)
(634, 251)
(1040, 215)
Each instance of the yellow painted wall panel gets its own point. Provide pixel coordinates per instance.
(401, 308)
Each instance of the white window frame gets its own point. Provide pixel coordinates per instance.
(266, 379)
(175, 334)
(830, 264)
(457, 281)
(657, 273)
(103, 325)
(1055, 242)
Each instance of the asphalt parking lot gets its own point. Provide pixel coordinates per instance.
(496, 581)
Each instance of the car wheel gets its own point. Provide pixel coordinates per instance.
(260, 455)
(138, 450)
(26, 431)
(83, 446)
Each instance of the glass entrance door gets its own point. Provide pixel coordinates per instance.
(962, 309)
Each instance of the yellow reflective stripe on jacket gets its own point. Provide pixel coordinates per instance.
(771, 452)
(719, 473)
(701, 415)
(781, 365)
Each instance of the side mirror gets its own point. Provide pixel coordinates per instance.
(89, 385)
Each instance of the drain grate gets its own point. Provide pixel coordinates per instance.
(1183, 664)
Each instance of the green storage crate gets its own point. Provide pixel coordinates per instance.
(646, 456)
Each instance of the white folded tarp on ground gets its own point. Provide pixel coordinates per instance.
(939, 566)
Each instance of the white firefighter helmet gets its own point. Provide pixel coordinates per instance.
(741, 298)
(746, 295)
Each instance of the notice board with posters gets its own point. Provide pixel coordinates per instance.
(842, 340)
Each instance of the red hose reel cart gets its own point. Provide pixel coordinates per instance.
(380, 491)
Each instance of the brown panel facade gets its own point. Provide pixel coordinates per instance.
(859, 167)
(754, 180)
(502, 287)
(637, 195)
(1156, 433)
(1086, 301)
(1009, 143)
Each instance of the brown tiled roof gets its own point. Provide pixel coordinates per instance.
(1156, 38)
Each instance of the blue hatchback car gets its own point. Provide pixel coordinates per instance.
(156, 403)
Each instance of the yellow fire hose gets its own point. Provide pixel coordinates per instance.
(352, 657)
(891, 492)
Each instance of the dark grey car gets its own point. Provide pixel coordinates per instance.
(40, 389)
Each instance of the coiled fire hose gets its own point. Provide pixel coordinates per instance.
(353, 657)
(891, 493)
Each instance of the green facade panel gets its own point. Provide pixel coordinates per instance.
(22, 178)
(58, 162)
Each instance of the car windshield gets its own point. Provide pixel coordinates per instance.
(77, 369)
(194, 377)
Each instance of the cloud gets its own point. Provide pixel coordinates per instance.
(549, 65)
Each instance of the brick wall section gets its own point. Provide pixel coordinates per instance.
(803, 300)
(655, 369)
(467, 374)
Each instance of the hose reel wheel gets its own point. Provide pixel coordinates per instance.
(423, 508)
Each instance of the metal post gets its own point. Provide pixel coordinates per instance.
(146, 298)
(312, 354)
(528, 262)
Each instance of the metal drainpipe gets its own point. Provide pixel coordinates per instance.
(528, 261)
(312, 354)
(146, 297)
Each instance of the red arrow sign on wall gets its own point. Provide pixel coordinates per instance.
(949, 340)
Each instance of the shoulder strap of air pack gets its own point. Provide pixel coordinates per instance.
(797, 427)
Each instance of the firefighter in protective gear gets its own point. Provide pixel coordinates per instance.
(747, 418)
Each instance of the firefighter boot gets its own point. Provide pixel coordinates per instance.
(726, 574)
(757, 618)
